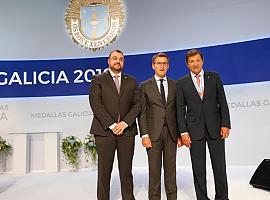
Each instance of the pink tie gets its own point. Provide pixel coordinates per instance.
(200, 89)
(117, 84)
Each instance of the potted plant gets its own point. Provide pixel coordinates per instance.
(5, 148)
(90, 150)
(71, 148)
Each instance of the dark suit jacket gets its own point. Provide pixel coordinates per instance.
(154, 111)
(107, 104)
(193, 113)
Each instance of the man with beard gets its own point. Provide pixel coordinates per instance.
(114, 99)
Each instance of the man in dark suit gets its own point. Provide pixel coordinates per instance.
(158, 127)
(114, 99)
(203, 117)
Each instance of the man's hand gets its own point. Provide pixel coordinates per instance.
(224, 132)
(146, 142)
(179, 142)
(186, 140)
(119, 128)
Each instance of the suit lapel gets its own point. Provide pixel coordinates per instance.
(207, 77)
(192, 86)
(155, 89)
(111, 82)
(170, 90)
(123, 83)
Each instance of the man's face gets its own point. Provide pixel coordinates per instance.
(116, 62)
(195, 64)
(160, 66)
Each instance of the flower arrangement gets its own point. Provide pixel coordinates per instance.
(90, 150)
(71, 148)
(4, 146)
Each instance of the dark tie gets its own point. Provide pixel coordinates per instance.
(162, 91)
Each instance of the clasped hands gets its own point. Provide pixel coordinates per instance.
(119, 128)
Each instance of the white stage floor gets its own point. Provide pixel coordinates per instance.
(81, 185)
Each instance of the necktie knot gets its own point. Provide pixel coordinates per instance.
(161, 80)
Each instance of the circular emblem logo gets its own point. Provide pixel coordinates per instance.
(94, 24)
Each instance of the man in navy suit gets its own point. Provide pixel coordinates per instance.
(203, 117)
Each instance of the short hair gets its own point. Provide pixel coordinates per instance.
(159, 55)
(116, 50)
(193, 52)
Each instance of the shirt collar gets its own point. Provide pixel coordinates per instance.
(113, 74)
(194, 75)
(158, 78)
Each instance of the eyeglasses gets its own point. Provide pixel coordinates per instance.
(121, 59)
(161, 63)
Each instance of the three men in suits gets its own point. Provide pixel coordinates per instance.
(114, 99)
(203, 117)
(158, 128)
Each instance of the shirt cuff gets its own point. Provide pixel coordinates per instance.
(125, 124)
(185, 133)
(145, 135)
(112, 126)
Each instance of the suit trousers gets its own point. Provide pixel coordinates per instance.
(164, 147)
(106, 147)
(198, 158)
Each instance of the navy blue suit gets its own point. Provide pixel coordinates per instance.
(203, 119)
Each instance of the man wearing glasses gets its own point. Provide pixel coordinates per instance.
(114, 99)
(158, 128)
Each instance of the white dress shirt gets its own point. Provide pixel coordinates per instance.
(165, 84)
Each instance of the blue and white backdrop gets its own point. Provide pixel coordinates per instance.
(45, 76)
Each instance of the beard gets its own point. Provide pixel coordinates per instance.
(117, 68)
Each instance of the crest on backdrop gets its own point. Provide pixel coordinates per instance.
(94, 24)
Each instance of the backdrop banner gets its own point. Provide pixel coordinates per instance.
(237, 63)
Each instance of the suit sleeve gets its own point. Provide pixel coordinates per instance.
(180, 108)
(143, 115)
(135, 108)
(95, 99)
(223, 105)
